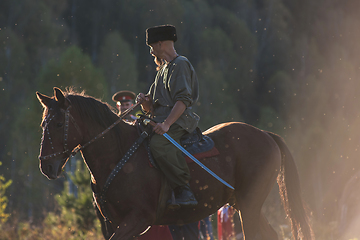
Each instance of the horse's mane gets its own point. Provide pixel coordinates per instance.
(91, 108)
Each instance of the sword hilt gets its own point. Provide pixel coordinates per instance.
(148, 121)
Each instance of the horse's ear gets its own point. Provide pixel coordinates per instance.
(59, 96)
(43, 99)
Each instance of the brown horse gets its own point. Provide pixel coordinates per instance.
(250, 160)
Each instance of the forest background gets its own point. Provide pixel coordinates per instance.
(288, 66)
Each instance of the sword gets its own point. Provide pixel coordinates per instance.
(148, 121)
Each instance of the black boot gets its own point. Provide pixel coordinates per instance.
(183, 197)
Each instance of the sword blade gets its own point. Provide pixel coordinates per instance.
(196, 161)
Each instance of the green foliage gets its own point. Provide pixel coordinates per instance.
(150, 13)
(74, 68)
(13, 52)
(232, 50)
(40, 28)
(216, 104)
(3, 199)
(118, 63)
(220, 44)
(22, 162)
(14, 74)
(76, 212)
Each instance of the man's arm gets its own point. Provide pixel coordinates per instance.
(175, 113)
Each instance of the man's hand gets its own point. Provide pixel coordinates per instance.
(161, 128)
(145, 101)
(140, 97)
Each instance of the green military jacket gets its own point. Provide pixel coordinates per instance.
(176, 81)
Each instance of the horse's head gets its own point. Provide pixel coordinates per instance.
(61, 134)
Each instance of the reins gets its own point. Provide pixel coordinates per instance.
(127, 111)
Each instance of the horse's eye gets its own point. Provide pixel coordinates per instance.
(59, 125)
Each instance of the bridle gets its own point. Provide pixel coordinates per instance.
(47, 121)
(69, 117)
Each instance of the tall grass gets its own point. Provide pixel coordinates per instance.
(53, 228)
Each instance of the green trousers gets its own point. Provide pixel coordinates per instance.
(169, 158)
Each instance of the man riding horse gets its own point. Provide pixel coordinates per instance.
(247, 158)
(169, 100)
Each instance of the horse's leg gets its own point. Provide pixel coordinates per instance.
(252, 188)
(267, 230)
(255, 224)
(250, 219)
(131, 227)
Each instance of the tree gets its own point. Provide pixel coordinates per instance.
(14, 72)
(118, 64)
(30, 190)
(238, 62)
(216, 104)
(73, 69)
(76, 212)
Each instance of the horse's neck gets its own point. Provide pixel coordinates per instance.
(103, 154)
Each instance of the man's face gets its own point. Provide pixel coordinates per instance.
(122, 106)
(156, 52)
(155, 49)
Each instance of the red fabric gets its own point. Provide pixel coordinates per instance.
(225, 223)
(157, 233)
(123, 98)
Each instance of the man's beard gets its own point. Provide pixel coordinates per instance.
(158, 61)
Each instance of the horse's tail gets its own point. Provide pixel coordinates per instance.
(290, 192)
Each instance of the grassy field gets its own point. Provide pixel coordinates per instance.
(53, 229)
(45, 231)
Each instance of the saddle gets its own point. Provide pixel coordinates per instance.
(198, 145)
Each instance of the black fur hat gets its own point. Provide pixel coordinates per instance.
(160, 33)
